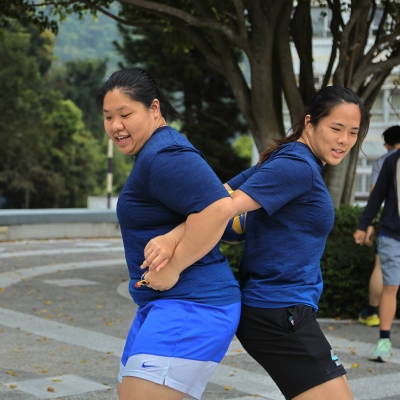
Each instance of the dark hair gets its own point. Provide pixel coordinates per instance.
(392, 135)
(319, 107)
(140, 86)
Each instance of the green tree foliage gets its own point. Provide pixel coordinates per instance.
(243, 147)
(364, 49)
(209, 116)
(87, 38)
(47, 156)
(79, 81)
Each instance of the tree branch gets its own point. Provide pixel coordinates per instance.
(55, 3)
(359, 75)
(374, 68)
(240, 9)
(212, 57)
(152, 6)
(115, 17)
(382, 21)
(344, 45)
(335, 30)
(301, 30)
(282, 42)
(369, 92)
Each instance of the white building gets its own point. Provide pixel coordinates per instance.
(384, 113)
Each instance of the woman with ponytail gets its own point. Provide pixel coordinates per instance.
(178, 335)
(289, 216)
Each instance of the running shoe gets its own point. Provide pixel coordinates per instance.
(382, 351)
(369, 320)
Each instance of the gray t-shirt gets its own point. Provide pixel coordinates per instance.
(376, 168)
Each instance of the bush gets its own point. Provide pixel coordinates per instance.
(346, 267)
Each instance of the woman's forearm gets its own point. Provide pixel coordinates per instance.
(202, 232)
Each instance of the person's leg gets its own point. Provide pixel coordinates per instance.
(389, 251)
(375, 283)
(336, 389)
(387, 310)
(369, 315)
(174, 352)
(133, 388)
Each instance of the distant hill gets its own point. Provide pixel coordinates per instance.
(87, 38)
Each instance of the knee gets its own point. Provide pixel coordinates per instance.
(390, 290)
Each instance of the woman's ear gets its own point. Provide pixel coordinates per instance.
(155, 107)
(307, 121)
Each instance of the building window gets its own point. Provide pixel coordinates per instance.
(362, 183)
(375, 23)
(321, 19)
(394, 105)
(377, 110)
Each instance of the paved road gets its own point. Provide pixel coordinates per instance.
(65, 311)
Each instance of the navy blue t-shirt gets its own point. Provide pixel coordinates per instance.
(169, 181)
(285, 238)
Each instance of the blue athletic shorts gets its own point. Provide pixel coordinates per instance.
(389, 253)
(178, 343)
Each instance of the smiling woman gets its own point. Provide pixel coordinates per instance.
(132, 115)
(169, 351)
(289, 216)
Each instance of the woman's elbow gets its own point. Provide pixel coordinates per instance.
(224, 208)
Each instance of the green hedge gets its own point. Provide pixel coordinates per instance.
(346, 267)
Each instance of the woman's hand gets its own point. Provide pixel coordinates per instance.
(369, 237)
(158, 252)
(359, 236)
(162, 280)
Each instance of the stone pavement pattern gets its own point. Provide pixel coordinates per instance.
(65, 311)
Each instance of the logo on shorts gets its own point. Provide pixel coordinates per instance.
(335, 358)
(145, 365)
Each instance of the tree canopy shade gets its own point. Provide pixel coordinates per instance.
(365, 48)
(209, 116)
(47, 156)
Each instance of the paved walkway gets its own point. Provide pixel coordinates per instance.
(65, 311)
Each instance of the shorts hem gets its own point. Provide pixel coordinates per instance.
(316, 382)
(143, 375)
(182, 388)
(163, 381)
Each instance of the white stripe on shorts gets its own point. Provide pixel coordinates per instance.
(186, 376)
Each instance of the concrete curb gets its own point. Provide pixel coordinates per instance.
(57, 224)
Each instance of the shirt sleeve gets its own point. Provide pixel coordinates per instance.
(277, 182)
(239, 179)
(378, 195)
(183, 181)
(376, 167)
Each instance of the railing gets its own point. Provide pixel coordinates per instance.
(57, 224)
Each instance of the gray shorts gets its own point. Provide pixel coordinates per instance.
(389, 253)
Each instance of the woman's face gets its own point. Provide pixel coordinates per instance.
(335, 135)
(128, 122)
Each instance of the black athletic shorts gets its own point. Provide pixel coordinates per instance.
(289, 344)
